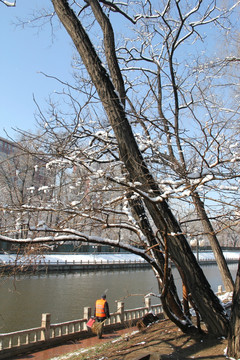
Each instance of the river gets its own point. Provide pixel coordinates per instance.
(64, 295)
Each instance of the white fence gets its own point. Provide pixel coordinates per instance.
(71, 262)
(43, 265)
(21, 341)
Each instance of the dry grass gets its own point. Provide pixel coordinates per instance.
(163, 339)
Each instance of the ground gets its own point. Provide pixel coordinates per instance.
(162, 339)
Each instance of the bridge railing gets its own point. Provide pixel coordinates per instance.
(20, 338)
(19, 341)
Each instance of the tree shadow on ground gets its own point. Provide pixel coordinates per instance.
(168, 342)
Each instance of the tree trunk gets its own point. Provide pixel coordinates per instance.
(216, 248)
(233, 350)
(180, 251)
(171, 298)
(206, 301)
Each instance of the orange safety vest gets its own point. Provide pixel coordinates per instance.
(100, 311)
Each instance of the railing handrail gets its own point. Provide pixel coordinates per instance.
(49, 331)
(68, 322)
(72, 262)
(84, 262)
(22, 332)
(18, 340)
(136, 309)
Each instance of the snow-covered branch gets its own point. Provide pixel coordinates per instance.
(75, 236)
(8, 3)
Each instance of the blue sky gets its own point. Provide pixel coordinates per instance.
(25, 53)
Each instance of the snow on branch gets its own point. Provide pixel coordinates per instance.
(7, 3)
(72, 235)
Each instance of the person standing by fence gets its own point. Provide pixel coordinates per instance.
(101, 312)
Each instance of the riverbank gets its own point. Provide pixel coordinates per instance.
(81, 345)
(47, 336)
(103, 261)
(162, 340)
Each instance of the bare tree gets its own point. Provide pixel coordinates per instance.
(178, 101)
(118, 146)
(23, 180)
(148, 200)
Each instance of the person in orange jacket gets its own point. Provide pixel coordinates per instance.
(101, 312)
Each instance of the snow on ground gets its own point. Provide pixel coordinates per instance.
(98, 258)
(229, 255)
(77, 258)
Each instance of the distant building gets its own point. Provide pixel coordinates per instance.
(7, 148)
(19, 172)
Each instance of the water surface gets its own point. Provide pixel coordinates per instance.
(64, 295)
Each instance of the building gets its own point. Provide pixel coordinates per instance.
(20, 172)
(7, 148)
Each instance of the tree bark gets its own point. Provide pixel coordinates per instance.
(233, 350)
(216, 248)
(179, 249)
(172, 299)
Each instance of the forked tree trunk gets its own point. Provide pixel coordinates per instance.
(179, 249)
(156, 250)
(233, 350)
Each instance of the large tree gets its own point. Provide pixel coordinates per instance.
(146, 199)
